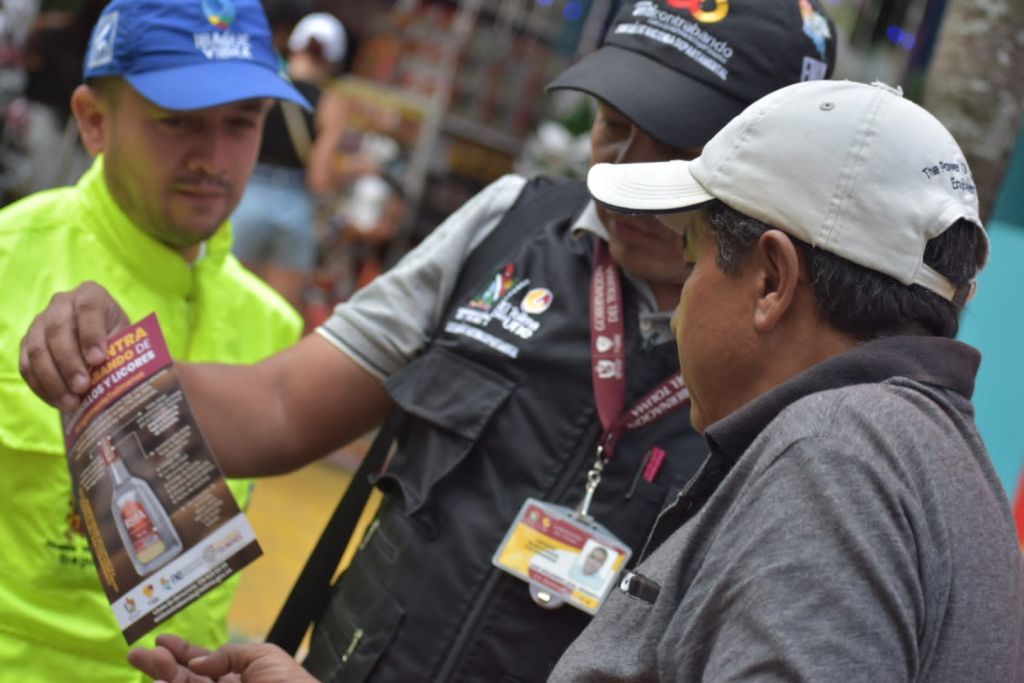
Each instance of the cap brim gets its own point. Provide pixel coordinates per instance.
(672, 107)
(656, 187)
(212, 84)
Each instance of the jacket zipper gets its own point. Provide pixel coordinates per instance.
(679, 497)
(190, 298)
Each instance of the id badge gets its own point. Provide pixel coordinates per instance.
(563, 556)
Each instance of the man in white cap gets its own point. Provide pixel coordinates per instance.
(172, 107)
(847, 525)
(525, 347)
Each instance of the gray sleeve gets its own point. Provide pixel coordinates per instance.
(387, 323)
(814, 576)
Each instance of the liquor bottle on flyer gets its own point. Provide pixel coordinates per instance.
(145, 527)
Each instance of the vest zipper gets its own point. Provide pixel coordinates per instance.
(469, 624)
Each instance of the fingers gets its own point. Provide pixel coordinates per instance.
(160, 664)
(257, 662)
(65, 340)
(176, 660)
(97, 316)
(183, 650)
(231, 658)
(52, 333)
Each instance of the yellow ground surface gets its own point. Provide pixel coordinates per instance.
(288, 514)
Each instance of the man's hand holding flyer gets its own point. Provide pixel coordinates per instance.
(162, 524)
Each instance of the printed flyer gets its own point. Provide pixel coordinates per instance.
(162, 524)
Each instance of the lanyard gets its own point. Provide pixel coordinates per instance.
(608, 355)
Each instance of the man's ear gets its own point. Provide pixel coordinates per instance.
(92, 112)
(779, 260)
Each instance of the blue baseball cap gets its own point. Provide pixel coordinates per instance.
(189, 54)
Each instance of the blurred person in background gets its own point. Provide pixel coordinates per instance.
(16, 19)
(367, 217)
(53, 67)
(175, 133)
(506, 388)
(274, 224)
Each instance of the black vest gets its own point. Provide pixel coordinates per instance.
(499, 408)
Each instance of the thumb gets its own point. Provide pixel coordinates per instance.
(224, 660)
(258, 662)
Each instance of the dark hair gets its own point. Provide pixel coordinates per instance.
(108, 87)
(856, 300)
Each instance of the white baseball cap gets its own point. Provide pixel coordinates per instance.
(326, 29)
(851, 168)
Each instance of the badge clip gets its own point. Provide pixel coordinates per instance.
(593, 481)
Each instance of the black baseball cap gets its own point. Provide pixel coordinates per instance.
(681, 69)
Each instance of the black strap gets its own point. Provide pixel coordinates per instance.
(308, 597)
(541, 200)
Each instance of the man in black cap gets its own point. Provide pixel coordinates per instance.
(526, 344)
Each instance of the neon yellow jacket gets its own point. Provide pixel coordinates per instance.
(55, 621)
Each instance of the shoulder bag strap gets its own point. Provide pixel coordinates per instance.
(298, 130)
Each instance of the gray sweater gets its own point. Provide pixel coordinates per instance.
(847, 526)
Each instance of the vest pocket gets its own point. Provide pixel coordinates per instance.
(450, 400)
(355, 629)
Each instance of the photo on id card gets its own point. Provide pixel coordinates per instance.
(574, 559)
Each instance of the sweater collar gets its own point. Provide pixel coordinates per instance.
(936, 361)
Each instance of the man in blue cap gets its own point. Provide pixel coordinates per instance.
(172, 108)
